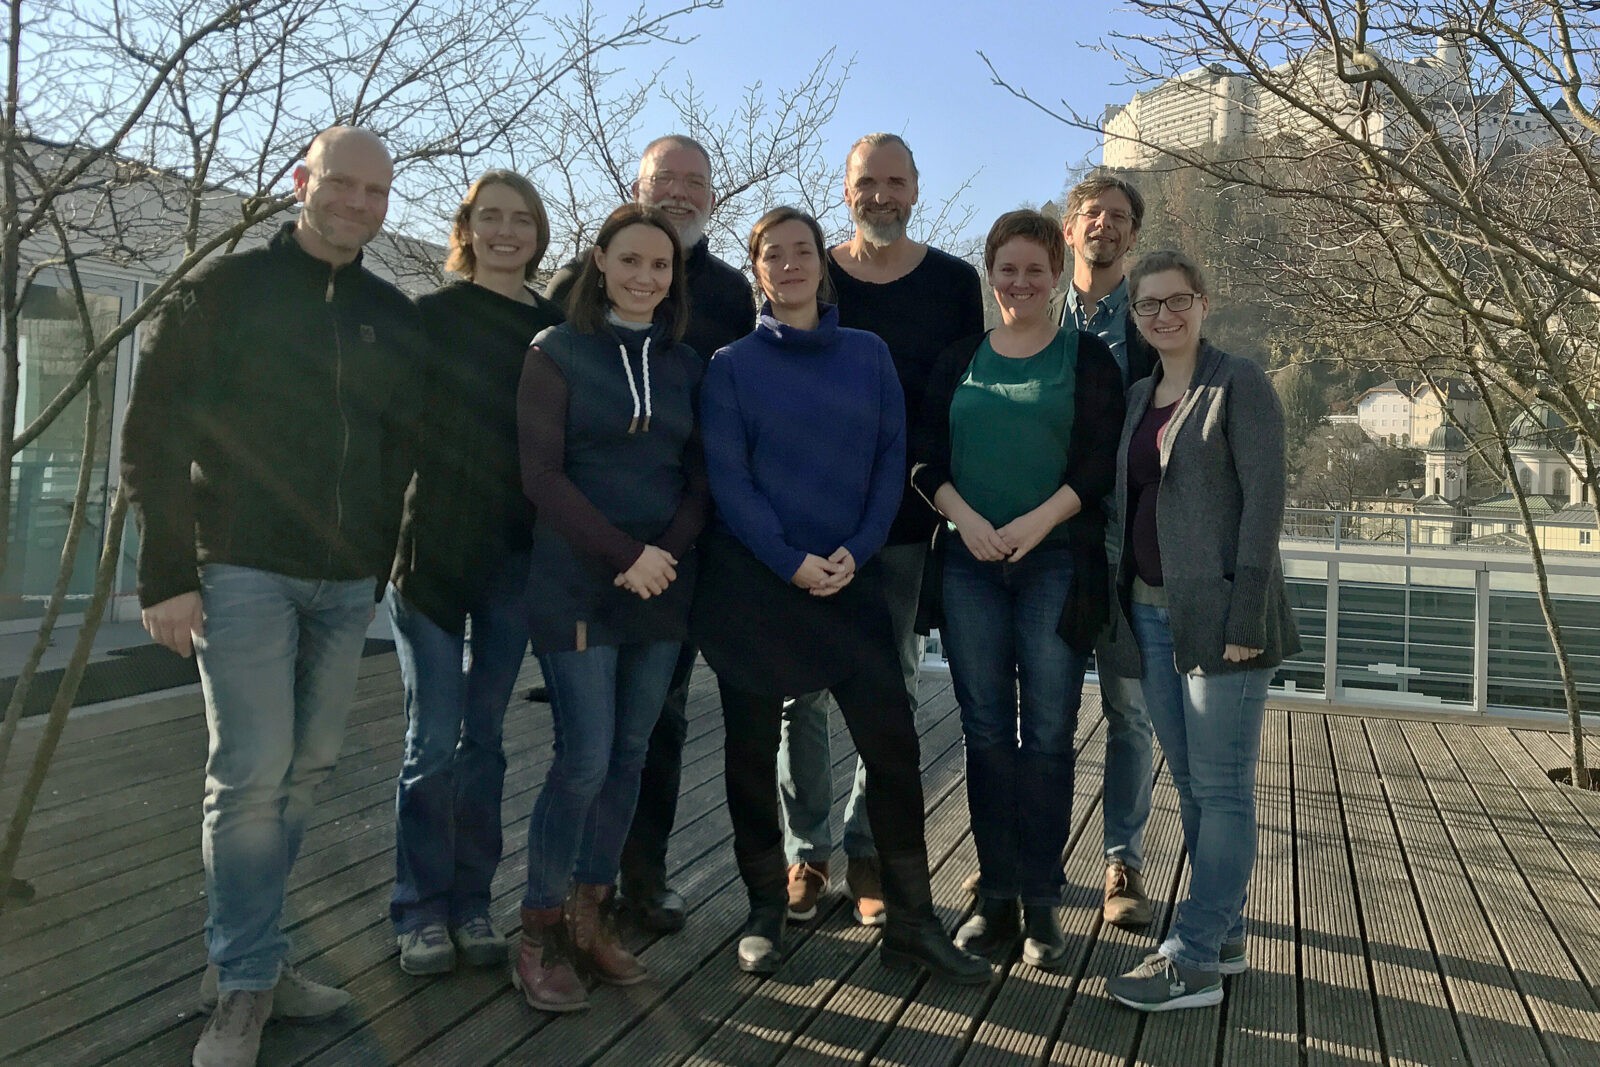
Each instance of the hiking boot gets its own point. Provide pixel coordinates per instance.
(807, 883)
(1044, 945)
(297, 999)
(426, 950)
(761, 940)
(864, 878)
(1232, 959)
(232, 1037)
(992, 928)
(478, 943)
(1125, 902)
(1160, 984)
(654, 905)
(592, 923)
(543, 971)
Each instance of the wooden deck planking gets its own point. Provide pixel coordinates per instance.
(1261, 1013)
(1419, 898)
(1413, 1007)
(1493, 1022)
(1341, 1026)
(1554, 993)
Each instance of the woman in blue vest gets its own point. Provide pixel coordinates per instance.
(611, 457)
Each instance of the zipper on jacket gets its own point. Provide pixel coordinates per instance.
(344, 420)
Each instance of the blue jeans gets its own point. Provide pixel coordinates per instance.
(1209, 726)
(447, 800)
(604, 701)
(1128, 767)
(278, 664)
(1018, 684)
(805, 757)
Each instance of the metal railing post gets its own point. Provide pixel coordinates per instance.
(1480, 639)
(1330, 641)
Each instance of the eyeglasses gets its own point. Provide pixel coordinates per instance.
(663, 180)
(1150, 307)
(1119, 218)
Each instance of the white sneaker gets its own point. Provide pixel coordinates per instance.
(232, 1037)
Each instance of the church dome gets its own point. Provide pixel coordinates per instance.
(1447, 438)
(1542, 428)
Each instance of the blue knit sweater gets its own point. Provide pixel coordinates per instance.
(805, 440)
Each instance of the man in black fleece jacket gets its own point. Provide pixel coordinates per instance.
(266, 451)
(674, 175)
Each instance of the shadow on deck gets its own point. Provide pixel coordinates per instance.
(1423, 895)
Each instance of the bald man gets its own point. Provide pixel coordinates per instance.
(266, 451)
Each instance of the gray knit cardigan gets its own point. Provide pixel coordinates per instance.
(1218, 520)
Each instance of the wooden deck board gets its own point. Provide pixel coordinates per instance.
(1413, 1007)
(1422, 895)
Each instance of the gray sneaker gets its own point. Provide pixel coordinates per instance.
(1159, 984)
(427, 950)
(232, 1037)
(296, 1000)
(1232, 958)
(478, 944)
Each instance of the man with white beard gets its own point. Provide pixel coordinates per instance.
(675, 176)
(919, 300)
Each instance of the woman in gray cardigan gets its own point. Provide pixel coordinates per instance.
(1200, 488)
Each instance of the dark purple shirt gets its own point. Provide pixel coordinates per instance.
(1144, 485)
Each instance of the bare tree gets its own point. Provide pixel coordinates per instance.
(1431, 165)
(146, 135)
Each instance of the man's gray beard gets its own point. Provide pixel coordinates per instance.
(690, 233)
(881, 234)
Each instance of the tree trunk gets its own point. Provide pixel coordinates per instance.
(105, 576)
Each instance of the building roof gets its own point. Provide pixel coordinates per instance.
(1446, 438)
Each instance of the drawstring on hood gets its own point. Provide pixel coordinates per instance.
(635, 426)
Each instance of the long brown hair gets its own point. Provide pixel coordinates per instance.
(587, 304)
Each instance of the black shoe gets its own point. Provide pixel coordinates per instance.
(1045, 946)
(539, 694)
(658, 909)
(923, 944)
(993, 928)
(761, 940)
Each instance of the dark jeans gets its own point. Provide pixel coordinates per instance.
(604, 702)
(1018, 684)
(879, 717)
(644, 854)
(447, 800)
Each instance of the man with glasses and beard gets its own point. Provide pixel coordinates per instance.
(1101, 225)
(919, 300)
(675, 176)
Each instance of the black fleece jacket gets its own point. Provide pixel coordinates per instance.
(272, 421)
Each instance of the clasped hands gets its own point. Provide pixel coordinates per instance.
(825, 577)
(651, 573)
(1010, 542)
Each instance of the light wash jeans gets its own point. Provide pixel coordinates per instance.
(1128, 766)
(447, 798)
(278, 663)
(805, 757)
(604, 702)
(1209, 726)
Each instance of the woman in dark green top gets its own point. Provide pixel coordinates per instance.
(1021, 451)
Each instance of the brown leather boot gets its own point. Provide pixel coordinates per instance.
(544, 963)
(592, 923)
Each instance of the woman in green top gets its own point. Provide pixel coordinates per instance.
(1021, 450)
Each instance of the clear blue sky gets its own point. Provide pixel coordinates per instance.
(917, 73)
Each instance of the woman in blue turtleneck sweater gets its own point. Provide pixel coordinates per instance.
(804, 428)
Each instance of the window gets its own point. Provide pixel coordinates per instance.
(1585, 537)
